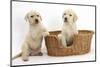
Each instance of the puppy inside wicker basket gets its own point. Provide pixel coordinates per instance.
(69, 28)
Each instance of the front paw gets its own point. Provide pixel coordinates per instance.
(64, 45)
(45, 34)
(39, 54)
(25, 58)
(76, 33)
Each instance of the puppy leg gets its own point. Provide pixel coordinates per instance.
(25, 52)
(62, 39)
(39, 54)
(36, 52)
(45, 34)
(75, 32)
(59, 38)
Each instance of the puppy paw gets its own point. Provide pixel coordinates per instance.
(59, 36)
(45, 34)
(76, 32)
(25, 59)
(39, 54)
(64, 46)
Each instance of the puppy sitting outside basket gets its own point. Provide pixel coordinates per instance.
(33, 40)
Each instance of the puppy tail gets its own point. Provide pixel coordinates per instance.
(16, 56)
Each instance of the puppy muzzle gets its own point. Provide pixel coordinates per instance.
(36, 21)
(65, 19)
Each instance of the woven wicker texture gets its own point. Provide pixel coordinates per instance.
(81, 44)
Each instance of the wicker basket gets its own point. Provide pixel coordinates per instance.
(81, 44)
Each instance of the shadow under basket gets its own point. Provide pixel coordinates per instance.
(81, 44)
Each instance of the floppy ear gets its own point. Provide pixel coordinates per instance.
(40, 17)
(26, 17)
(75, 18)
(63, 15)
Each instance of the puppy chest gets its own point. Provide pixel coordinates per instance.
(36, 34)
(69, 31)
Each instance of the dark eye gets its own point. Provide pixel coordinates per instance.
(64, 13)
(70, 14)
(32, 16)
(37, 15)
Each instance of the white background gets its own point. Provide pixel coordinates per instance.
(5, 32)
(52, 19)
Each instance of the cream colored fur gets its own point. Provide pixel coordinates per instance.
(33, 40)
(69, 28)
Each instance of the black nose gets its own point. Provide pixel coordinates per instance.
(36, 20)
(65, 19)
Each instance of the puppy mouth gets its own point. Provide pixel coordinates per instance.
(65, 19)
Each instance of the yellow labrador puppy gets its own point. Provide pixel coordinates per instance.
(33, 40)
(69, 28)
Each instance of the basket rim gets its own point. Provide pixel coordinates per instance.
(90, 32)
(78, 30)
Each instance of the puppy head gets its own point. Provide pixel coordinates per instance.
(33, 17)
(69, 16)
